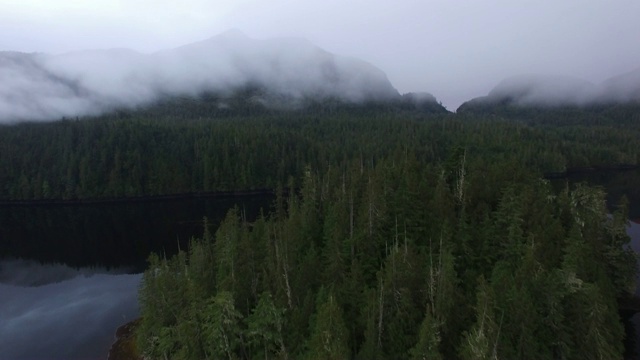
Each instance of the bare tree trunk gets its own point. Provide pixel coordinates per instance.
(461, 174)
(380, 314)
(353, 250)
(432, 279)
(282, 262)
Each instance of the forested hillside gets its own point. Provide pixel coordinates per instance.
(192, 145)
(466, 259)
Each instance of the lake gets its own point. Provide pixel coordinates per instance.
(69, 274)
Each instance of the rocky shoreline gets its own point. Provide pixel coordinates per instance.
(124, 347)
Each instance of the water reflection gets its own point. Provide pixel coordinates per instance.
(55, 312)
(112, 235)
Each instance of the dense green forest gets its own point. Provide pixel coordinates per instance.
(406, 231)
(175, 147)
(461, 260)
(604, 113)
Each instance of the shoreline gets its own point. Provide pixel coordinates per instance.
(262, 191)
(141, 199)
(589, 169)
(124, 345)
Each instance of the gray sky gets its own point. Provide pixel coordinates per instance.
(455, 49)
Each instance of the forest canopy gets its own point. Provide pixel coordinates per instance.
(405, 232)
(400, 260)
(175, 147)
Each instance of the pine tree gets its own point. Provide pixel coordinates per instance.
(265, 327)
(222, 327)
(428, 344)
(329, 336)
(481, 341)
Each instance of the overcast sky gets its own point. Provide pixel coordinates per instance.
(455, 49)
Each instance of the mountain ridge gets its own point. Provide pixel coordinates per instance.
(284, 73)
(92, 82)
(554, 91)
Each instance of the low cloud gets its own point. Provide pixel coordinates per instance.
(47, 87)
(547, 90)
(542, 89)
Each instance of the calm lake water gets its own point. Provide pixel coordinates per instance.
(69, 274)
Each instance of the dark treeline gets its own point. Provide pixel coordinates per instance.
(465, 259)
(611, 114)
(174, 148)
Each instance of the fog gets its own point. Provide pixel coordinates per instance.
(541, 89)
(48, 87)
(54, 312)
(455, 50)
(549, 90)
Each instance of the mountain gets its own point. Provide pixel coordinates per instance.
(622, 88)
(552, 92)
(289, 72)
(292, 67)
(29, 89)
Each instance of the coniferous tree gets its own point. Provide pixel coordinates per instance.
(222, 327)
(265, 329)
(329, 336)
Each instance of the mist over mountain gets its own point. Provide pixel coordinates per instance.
(622, 88)
(90, 82)
(546, 91)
